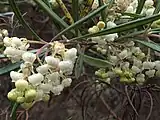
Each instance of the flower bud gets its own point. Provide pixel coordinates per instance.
(9, 51)
(12, 95)
(101, 24)
(27, 105)
(30, 95)
(140, 78)
(36, 79)
(20, 99)
(5, 32)
(21, 84)
(123, 79)
(95, 29)
(118, 71)
(7, 41)
(70, 54)
(67, 82)
(46, 98)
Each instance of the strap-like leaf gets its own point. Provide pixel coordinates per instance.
(80, 21)
(20, 18)
(51, 13)
(96, 62)
(123, 27)
(151, 45)
(140, 6)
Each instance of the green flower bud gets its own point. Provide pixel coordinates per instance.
(46, 98)
(118, 71)
(104, 75)
(12, 95)
(30, 95)
(20, 99)
(21, 84)
(100, 24)
(27, 105)
(123, 79)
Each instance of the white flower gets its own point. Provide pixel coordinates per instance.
(149, 3)
(66, 66)
(70, 54)
(5, 32)
(157, 65)
(123, 54)
(16, 42)
(111, 37)
(158, 73)
(137, 62)
(29, 57)
(36, 79)
(125, 65)
(52, 61)
(135, 69)
(10, 51)
(130, 9)
(15, 76)
(53, 76)
(148, 65)
(113, 59)
(111, 24)
(7, 41)
(43, 69)
(150, 73)
(57, 89)
(150, 11)
(67, 82)
(45, 87)
(39, 95)
(140, 78)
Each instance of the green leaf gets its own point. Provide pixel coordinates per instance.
(51, 13)
(79, 66)
(157, 7)
(81, 21)
(140, 6)
(103, 14)
(75, 13)
(13, 112)
(151, 45)
(123, 27)
(9, 68)
(20, 18)
(96, 62)
(133, 15)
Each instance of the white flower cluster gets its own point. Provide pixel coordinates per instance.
(130, 66)
(147, 10)
(3, 33)
(102, 40)
(15, 47)
(51, 76)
